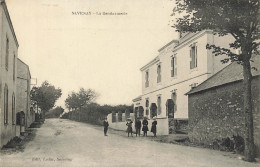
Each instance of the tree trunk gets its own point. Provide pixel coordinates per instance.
(249, 151)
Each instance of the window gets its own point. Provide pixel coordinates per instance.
(147, 79)
(14, 69)
(174, 66)
(159, 105)
(193, 56)
(147, 107)
(13, 109)
(6, 105)
(158, 73)
(6, 53)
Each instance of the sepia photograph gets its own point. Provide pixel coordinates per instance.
(112, 83)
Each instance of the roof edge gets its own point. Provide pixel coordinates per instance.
(3, 3)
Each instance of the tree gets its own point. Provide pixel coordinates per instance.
(78, 100)
(45, 96)
(240, 18)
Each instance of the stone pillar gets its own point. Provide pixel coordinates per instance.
(127, 114)
(113, 116)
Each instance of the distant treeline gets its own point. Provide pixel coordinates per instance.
(54, 113)
(94, 113)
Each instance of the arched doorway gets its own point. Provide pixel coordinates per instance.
(170, 113)
(153, 110)
(141, 112)
(170, 108)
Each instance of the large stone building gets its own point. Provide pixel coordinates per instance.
(8, 53)
(180, 65)
(15, 114)
(216, 106)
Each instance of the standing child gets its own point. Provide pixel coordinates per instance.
(129, 126)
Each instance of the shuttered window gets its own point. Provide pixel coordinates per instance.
(147, 79)
(6, 105)
(159, 73)
(147, 107)
(159, 105)
(13, 109)
(6, 53)
(14, 68)
(174, 66)
(193, 56)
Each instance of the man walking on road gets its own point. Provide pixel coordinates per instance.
(105, 123)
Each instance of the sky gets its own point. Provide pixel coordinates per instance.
(101, 52)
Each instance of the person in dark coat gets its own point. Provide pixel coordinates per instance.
(129, 126)
(138, 125)
(145, 126)
(105, 124)
(153, 128)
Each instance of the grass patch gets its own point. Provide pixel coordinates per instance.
(17, 144)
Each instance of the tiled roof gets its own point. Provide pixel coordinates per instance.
(231, 73)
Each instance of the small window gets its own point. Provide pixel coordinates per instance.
(193, 56)
(174, 66)
(14, 68)
(7, 54)
(159, 105)
(147, 79)
(159, 73)
(147, 107)
(6, 105)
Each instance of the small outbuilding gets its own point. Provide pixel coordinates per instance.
(216, 106)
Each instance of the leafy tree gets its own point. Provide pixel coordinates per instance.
(78, 100)
(45, 96)
(240, 18)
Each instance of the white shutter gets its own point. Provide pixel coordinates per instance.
(175, 66)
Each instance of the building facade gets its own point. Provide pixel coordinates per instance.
(180, 65)
(23, 92)
(8, 53)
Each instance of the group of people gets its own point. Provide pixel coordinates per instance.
(138, 125)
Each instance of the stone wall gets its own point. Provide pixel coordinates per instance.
(218, 113)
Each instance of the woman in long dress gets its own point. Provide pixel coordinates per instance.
(153, 129)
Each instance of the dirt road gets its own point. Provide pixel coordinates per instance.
(64, 143)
